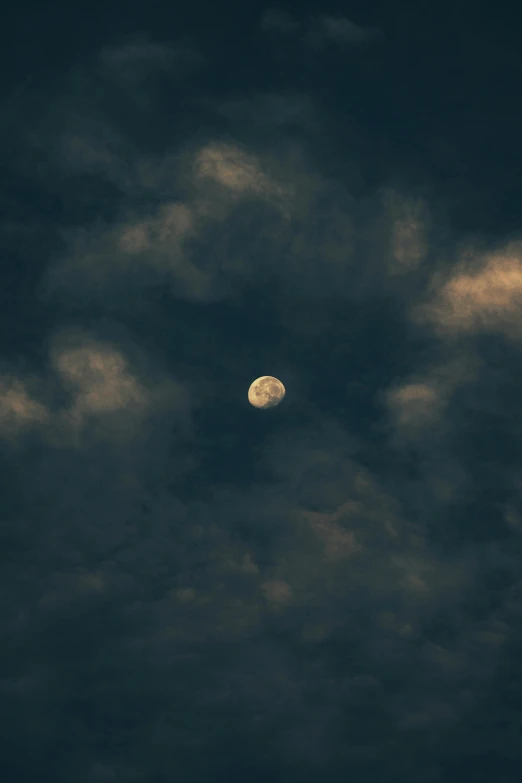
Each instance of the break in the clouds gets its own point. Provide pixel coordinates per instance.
(190, 589)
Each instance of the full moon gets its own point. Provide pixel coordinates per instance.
(266, 392)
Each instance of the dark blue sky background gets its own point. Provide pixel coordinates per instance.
(195, 590)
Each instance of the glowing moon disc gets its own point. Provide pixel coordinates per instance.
(266, 392)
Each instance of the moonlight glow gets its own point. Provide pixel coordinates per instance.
(266, 392)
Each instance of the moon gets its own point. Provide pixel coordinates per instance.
(266, 392)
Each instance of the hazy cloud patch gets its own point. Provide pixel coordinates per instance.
(418, 406)
(107, 397)
(277, 592)
(105, 262)
(319, 29)
(91, 391)
(19, 412)
(100, 377)
(482, 293)
(409, 233)
(90, 146)
(280, 21)
(415, 402)
(237, 170)
(132, 60)
(273, 110)
(326, 29)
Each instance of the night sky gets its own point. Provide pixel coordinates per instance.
(193, 590)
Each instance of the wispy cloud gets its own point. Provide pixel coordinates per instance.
(324, 30)
(277, 110)
(280, 21)
(133, 60)
(410, 231)
(319, 29)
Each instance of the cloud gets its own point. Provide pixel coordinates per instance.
(143, 251)
(319, 29)
(102, 388)
(123, 78)
(18, 411)
(482, 293)
(326, 29)
(418, 405)
(410, 229)
(91, 146)
(101, 396)
(233, 168)
(277, 110)
(417, 401)
(140, 71)
(100, 377)
(183, 213)
(130, 257)
(135, 59)
(280, 21)
(338, 543)
(297, 228)
(277, 592)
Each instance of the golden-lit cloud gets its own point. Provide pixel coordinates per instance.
(101, 379)
(18, 411)
(483, 293)
(101, 396)
(108, 400)
(417, 406)
(118, 262)
(166, 231)
(234, 168)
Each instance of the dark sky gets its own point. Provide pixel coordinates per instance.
(195, 590)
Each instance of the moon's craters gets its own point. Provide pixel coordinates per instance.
(266, 392)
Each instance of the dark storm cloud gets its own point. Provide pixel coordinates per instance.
(191, 589)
